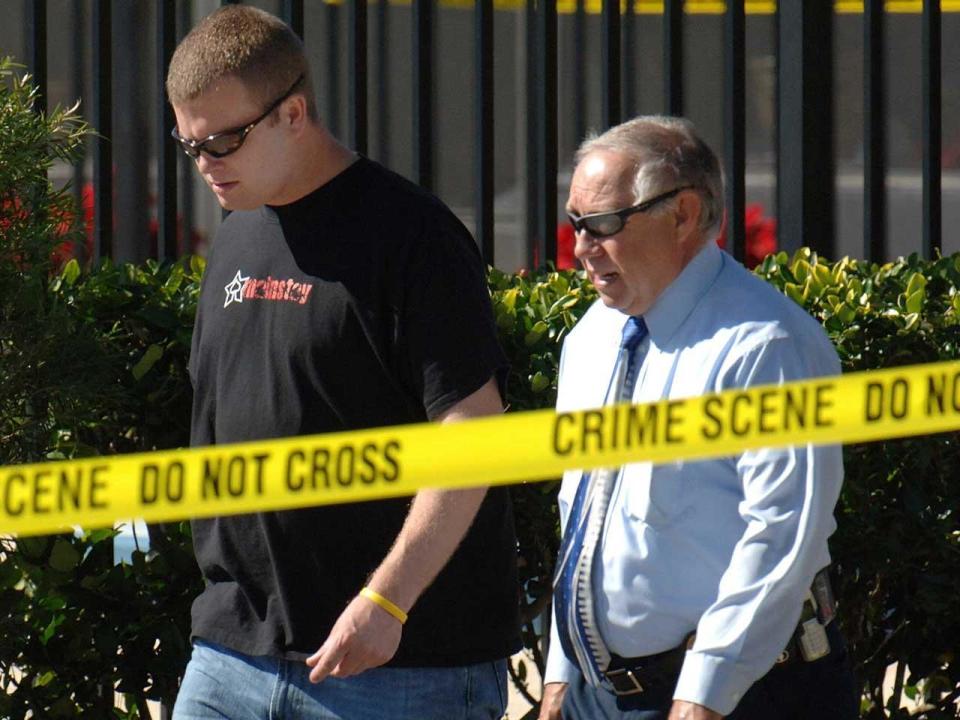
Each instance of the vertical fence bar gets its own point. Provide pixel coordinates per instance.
(673, 56)
(734, 104)
(293, 15)
(102, 122)
(874, 134)
(932, 128)
(627, 77)
(359, 129)
(77, 74)
(383, 81)
(805, 182)
(579, 72)
(423, 92)
(483, 112)
(547, 130)
(777, 62)
(333, 65)
(102, 87)
(610, 63)
(37, 51)
(224, 212)
(531, 81)
(166, 151)
(185, 167)
(131, 140)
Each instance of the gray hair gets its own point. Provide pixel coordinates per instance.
(668, 153)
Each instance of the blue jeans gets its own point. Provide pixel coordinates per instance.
(227, 685)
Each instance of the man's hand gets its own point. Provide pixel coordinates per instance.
(365, 636)
(683, 710)
(552, 700)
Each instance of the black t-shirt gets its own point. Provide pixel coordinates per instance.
(361, 305)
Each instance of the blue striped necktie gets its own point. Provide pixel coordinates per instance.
(573, 593)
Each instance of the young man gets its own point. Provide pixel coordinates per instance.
(682, 588)
(337, 296)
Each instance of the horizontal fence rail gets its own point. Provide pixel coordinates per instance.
(804, 158)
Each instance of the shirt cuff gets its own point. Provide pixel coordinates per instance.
(714, 682)
(559, 669)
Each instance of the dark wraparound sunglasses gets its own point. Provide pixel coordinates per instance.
(605, 224)
(227, 142)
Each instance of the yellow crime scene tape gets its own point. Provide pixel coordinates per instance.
(692, 7)
(396, 461)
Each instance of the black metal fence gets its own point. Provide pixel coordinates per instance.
(805, 182)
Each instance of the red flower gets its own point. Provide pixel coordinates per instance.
(761, 235)
(565, 242)
(66, 250)
(761, 239)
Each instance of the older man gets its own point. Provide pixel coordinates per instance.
(690, 589)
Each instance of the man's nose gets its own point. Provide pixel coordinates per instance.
(206, 162)
(584, 244)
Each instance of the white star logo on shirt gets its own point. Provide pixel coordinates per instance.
(235, 289)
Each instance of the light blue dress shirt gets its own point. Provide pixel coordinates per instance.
(726, 547)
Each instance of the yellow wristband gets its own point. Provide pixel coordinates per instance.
(380, 600)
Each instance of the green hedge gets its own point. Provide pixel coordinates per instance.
(897, 547)
(75, 624)
(88, 365)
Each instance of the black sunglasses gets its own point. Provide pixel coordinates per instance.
(227, 142)
(605, 224)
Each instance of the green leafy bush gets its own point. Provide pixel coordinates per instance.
(89, 364)
(897, 546)
(534, 313)
(33, 330)
(74, 626)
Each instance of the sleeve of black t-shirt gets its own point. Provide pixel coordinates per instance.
(447, 323)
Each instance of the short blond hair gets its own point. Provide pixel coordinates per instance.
(249, 44)
(668, 153)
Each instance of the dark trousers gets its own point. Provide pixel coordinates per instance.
(821, 690)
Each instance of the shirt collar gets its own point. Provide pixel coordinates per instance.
(679, 298)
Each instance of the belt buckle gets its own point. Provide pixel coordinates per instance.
(634, 687)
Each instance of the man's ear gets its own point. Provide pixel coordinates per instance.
(294, 113)
(689, 205)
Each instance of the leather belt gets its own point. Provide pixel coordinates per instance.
(631, 676)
